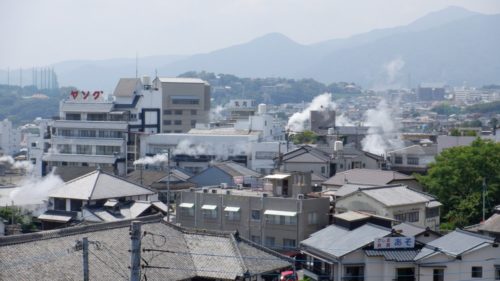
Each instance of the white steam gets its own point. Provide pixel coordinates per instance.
(383, 132)
(218, 150)
(343, 120)
(157, 159)
(24, 165)
(187, 147)
(393, 69)
(216, 113)
(321, 102)
(34, 190)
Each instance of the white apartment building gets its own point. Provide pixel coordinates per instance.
(9, 138)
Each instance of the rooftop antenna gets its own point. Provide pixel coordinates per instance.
(136, 64)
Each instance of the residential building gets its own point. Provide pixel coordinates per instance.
(278, 216)
(10, 138)
(421, 234)
(185, 103)
(395, 201)
(326, 162)
(459, 255)
(412, 159)
(489, 227)
(168, 252)
(228, 174)
(98, 196)
(431, 91)
(370, 177)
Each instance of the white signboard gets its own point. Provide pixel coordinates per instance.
(394, 242)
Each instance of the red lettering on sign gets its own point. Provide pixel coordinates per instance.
(85, 94)
(74, 94)
(96, 94)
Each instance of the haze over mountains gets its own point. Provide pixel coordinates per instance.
(453, 45)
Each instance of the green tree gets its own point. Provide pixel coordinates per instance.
(304, 137)
(456, 178)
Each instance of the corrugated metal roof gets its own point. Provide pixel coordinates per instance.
(399, 255)
(349, 188)
(455, 243)
(396, 195)
(408, 229)
(366, 176)
(338, 241)
(126, 87)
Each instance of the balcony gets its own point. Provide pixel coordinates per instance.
(87, 158)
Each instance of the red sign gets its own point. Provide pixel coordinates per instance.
(85, 95)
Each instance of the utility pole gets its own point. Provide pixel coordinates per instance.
(135, 257)
(168, 185)
(85, 248)
(484, 197)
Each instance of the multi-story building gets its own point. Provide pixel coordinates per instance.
(185, 102)
(9, 138)
(431, 91)
(278, 216)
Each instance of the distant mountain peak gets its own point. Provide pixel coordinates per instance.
(274, 37)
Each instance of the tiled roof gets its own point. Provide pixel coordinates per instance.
(396, 195)
(236, 170)
(366, 176)
(126, 87)
(51, 255)
(99, 185)
(398, 255)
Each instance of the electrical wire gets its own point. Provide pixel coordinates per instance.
(121, 275)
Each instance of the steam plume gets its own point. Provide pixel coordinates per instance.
(321, 102)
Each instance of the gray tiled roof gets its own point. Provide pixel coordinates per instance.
(338, 241)
(236, 170)
(399, 255)
(366, 176)
(408, 229)
(51, 255)
(396, 195)
(455, 243)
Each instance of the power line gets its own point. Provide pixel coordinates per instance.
(121, 275)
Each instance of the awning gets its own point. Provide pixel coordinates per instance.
(433, 204)
(111, 203)
(209, 207)
(280, 213)
(56, 218)
(232, 209)
(117, 112)
(277, 176)
(186, 205)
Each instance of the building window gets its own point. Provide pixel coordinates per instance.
(354, 273)
(60, 204)
(432, 212)
(497, 272)
(97, 117)
(270, 241)
(76, 205)
(65, 132)
(187, 212)
(405, 274)
(33, 144)
(233, 216)
(167, 122)
(255, 239)
(185, 100)
(110, 134)
(83, 149)
(285, 220)
(193, 123)
(289, 243)
(73, 116)
(256, 215)
(407, 217)
(64, 148)
(193, 112)
(477, 272)
(87, 133)
(178, 112)
(177, 122)
(398, 160)
(312, 218)
(412, 161)
(210, 214)
(438, 274)
(107, 150)
(167, 112)
(323, 170)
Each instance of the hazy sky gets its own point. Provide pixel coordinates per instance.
(34, 32)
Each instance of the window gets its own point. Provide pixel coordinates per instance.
(290, 220)
(66, 133)
(177, 122)
(412, 161)
(288, 243)
(185, 100)
(407, 217)
(233, 216)
(432, 212)
(33, 144)
(323, 170)
(167, 122)
(64, 148)
(83, 149)
(107, 150)
(73, 116)
(256, 215)
(398, 160)
(97, 117)
(477, 272)
(405, 274)
(193, 123)
(59, 204)
(354, 273)
(210, 214)
(270, 241)
(312, 218)
(76, 205)
(187, 212)
(497, 272)
(167, 112)
(87, 133)
(178, 112)
(438, 274)
(110, 134)
(193, 112)
(255, 239)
